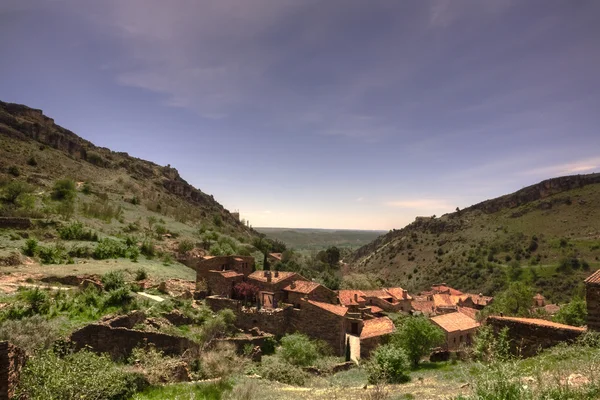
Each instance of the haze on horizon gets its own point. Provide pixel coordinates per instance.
(321, 114)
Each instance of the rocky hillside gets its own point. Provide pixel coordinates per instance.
(34, 149)
(547, 234)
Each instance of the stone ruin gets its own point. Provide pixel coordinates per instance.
(12, 360)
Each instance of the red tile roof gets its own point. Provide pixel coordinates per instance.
(552, 308)
(540, 322)
(424, 306)
(381, 293)
(332, 308)
(446, 289)
(594, 278)
(260, 276)
(347, 297)
(377, 327)
(399, 293)
(441, 300)
(375, 309)
(469, 312)
(229, 274)
(455, 321)
(302, 287)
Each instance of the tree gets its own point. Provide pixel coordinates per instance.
(15, 191)
(64, 189)
(417, 336)
(332, 255)
(574, 313)
(298, 349)
(517, 299)
(246, 291)
(389, 363)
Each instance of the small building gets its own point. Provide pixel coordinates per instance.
(221, 283)
(592, 298)
(241, 264)
(303, 289)
(458, 328)
(270, 285)
(373, 332)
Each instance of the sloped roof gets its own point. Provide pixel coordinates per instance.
(346, 297)
(260, 276)
(304, 287)
(424, 306)
(229, 274)
(455, 321)
(441, 300)
(594, 278)
(381, 293)
(446, 289)
(469, 312)
(332, 308)
(276, 256)
(377, 327)
(399, 293)
(552, 308)
(375, 309)
(540, 322)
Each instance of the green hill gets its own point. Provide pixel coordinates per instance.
(547, 234)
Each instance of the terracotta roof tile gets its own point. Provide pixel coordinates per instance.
(424, 306)
(469, 312)
(377, 327)
(276, 256)
(540, 322)
(346, 297)
(375, 309)
(302, 287)
(552, 308)
(455, 321)
(381, 293)
(441, 300)
(446, 289)
(230, 274)
(594, 278)
(260, 276)
(332, 308)
(399, 293)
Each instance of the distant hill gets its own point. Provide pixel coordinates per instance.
(318, 239)
(547, 234)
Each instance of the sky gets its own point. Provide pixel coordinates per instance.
(323, 114)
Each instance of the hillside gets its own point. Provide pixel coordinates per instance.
(116, 194)
(547, 234)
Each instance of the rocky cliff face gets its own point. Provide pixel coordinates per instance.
(24, 123)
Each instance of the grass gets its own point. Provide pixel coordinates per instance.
(185, 391)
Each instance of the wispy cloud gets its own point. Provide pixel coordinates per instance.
(575, 167)
(421, 204)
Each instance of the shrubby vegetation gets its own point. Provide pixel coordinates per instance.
(389, 363)
(417, 336)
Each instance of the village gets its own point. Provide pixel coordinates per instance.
(354, 321)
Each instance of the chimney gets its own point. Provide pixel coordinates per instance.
(276, 273)
(266, 272)
(293, 285)
(269, 276)
(356, 297)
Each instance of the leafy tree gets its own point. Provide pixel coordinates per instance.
(246, 291)
(514, 271)
(15, 190)
(417, 336)
(298, 349)
(517, 300)
(488, 347)
(573, 313)
(332, 255)
(64, 190)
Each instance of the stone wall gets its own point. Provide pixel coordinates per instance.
(12, 360)
(401, 306)
(119, 342)
(15, 223)
(241, 264)
(368, 345)
(320, 324)
(241, 342)
(527, 337)
(221, 286)
(592, 297)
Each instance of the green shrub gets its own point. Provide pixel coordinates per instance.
(389, 363)
(86, 188)
(275, 369)
(118, 297)
(81, 251)
(75, 231)
(269, 346)
(14, 170)
(141, 274)
(15, 191)
(160, 230)
(298, 349)
(101, 210)
(54, 255)
(148, 249)
(64, 189)
(32, 161)
(185, 246)
(217, 220)
(30, 248)
(417, 336)
(38, 300)
(113, 280)
(81, 375)
(109, 248)
(31, 333)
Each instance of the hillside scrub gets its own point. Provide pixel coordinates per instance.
(388, 363)
(76, 231)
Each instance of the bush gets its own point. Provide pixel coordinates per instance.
(31, 333)
(573, 313)
(298, 349)
(275, 369)
(87, 188)
(185, 246)
(32, 161)
(141, 274)
(82, 375)
(109, 248)
(148, 249)
(389, 363)
(417, 336)
(113, 280)
(118, 297)
(54, 255)
(220, 362)
(14, 170)
(269, 345)
(30, 248)
(15, 191)
(75, 231)
(64, 190)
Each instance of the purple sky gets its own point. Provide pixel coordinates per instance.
(331, 113)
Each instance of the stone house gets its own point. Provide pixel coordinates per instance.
(592, 298)
(302, 289)
(373, 333)
(270, 285)
(387, 299)
(241, 264)
(459, 329)
(221, 283)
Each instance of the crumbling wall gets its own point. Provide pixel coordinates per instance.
(119, 342)
(12, 360)
(320, 324)
(592, 298)
(528, 338)
(15, 223)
